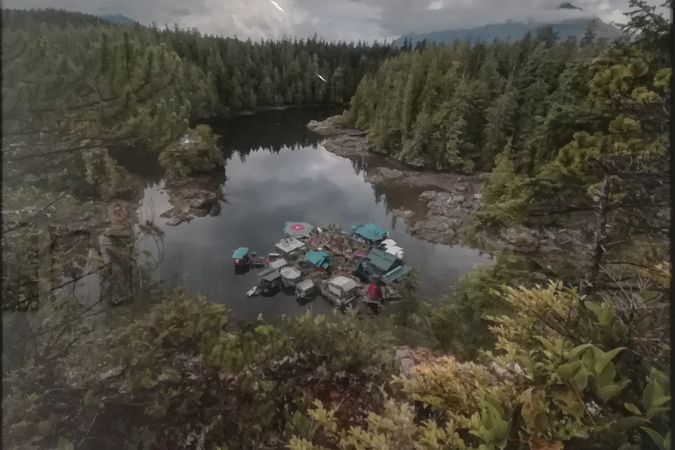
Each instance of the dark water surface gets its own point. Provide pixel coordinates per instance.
(277, 172)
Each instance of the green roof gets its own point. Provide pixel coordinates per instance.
(370, 232)
(396, 274)
(240, 253)
(381, 259)
(318, 259)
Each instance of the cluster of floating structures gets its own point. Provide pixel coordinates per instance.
(344, 267)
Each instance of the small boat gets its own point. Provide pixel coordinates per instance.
(255, 290)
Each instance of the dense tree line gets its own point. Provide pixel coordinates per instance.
(457, 107)
(249, 74)
(244, 74)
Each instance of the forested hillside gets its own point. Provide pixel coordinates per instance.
(245, 74)
(457, 107)
(248, 74)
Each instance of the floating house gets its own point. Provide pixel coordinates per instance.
(269, 280)
(318, 259)
(290, 247)
(305, 289)
(290, 276)
(340, 290)
(370, 233)
(298, 229)
(277, 264)
(376, 265)
(240, 257)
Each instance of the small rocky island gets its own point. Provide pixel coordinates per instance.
(194, 167)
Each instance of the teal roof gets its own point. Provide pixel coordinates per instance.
(317, 259)
(396, 274)
(240, 253)
(370, 232)
(382, 260)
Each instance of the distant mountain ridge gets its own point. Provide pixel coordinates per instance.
(568, 5)
(118, 19)
(514, 31)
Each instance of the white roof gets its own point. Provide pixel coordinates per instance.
(396, 251)
(347, 284)
(290, 272)
(278, 263)
(391, 247)
(389, 242)
(305, 284)
(289, 245)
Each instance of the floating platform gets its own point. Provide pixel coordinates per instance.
(366, 251)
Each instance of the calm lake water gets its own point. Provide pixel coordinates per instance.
(276, 171)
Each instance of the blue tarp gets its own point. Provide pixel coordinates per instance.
(240, 253)
(370, 232)
(317, 259)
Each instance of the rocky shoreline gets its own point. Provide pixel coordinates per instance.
(193, 197)
(450, 200)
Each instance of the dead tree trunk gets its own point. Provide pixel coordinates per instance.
(600, 237)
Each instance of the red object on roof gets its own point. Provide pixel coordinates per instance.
(374, 292)
(297, 227)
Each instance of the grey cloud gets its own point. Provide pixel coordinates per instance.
(399, 16)
(333, 19)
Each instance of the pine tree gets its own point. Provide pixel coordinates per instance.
(499, 128)
(590, 34)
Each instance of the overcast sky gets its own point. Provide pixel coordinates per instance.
(333, 19)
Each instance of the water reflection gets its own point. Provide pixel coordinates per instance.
(269, 131)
